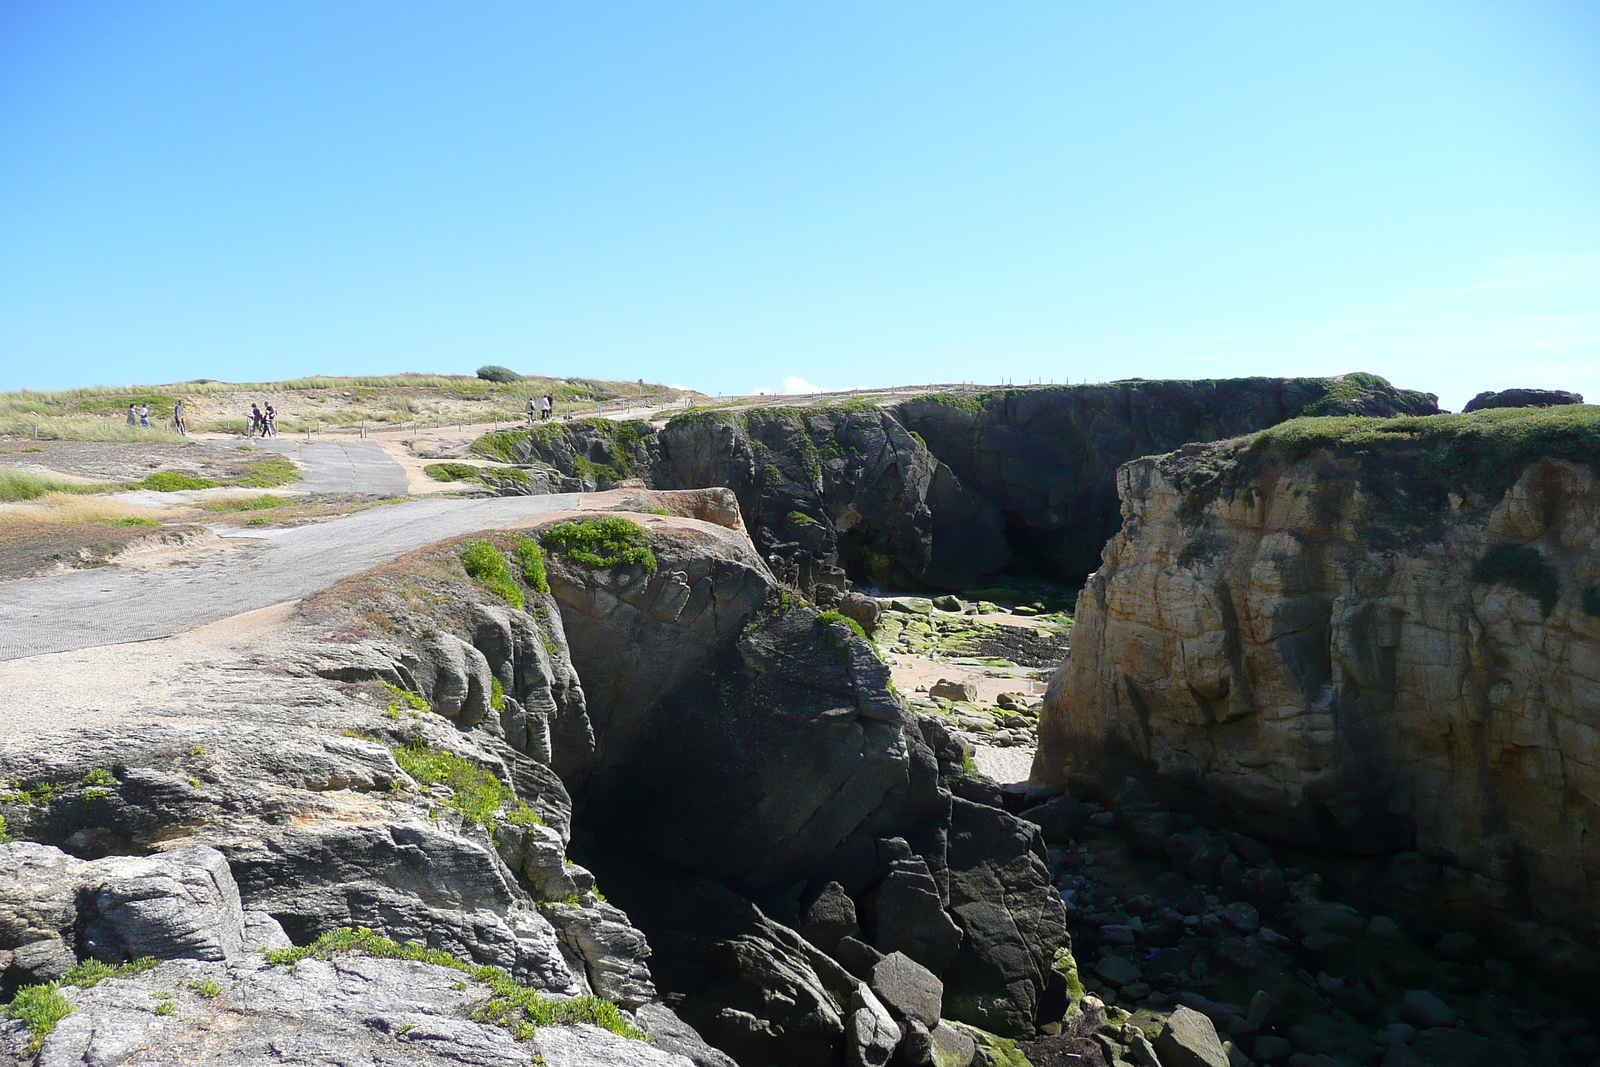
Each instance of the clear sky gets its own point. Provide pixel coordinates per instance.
(729, 196)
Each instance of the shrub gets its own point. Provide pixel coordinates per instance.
(497, 695)
(602, 542)
(484, 562)
(530, 560)
(175, 482)
(498, 374)
(1521, 568)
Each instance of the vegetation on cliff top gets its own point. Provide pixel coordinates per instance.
(1485, 450)
(601, 542)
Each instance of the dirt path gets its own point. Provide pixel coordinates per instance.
(342, 466)
(109, 606)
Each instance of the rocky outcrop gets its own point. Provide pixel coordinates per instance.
(1378, 641)
(1047, 457)
(386, 764)
(1522, 398)
(751, 753)
(939, 490)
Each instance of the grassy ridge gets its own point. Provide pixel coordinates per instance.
(1485, 450)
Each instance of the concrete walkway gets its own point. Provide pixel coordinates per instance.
(108, 606)
(342, 466)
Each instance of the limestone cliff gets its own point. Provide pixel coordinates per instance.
(938, 490)
(1046, 457)
(1376, 637)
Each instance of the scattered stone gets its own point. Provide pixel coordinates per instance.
(949, 690)
(1404, 1033)
(952, 1047)
(1459, 947)
(1190, 1041)
(1272, 1049)
(1011, 702)
(1242, 917)
(1118, 970)
(871, 1035)
(909, 990)
(948, 603)
(830, 918)
(1423, 1009)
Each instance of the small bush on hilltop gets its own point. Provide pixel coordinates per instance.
(601, 542)
(498, 374)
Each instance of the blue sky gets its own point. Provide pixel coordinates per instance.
(729, 196)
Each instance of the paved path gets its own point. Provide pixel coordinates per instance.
(342, 466)
(107, 606)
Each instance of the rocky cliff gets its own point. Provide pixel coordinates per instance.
(1377, 639)
(935, 491)
(387, 793)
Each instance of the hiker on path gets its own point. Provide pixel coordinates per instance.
(144, 415)
(133, 415)
(269, 422)
(258, 421)
(547, 405)
(529, 410)
(179, 423)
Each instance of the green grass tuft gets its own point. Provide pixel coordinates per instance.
(20, 485)
(828, 618)
(89, 973)
(99, 776)
(530, 560)
(175, 482)
(497, 695)
(39, 1008)
(479, 795)
(602, 542)
(487, 564)
(1521, 568)
(511, 1005)
(269, 474)
(248, 503)
(131, 520)
(405, 697)
(205, 987)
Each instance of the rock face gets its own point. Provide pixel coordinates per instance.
(1047, 457)
(756, 776)
(398, 757)
(1522, 398)
(1379, 642)
(934, 491)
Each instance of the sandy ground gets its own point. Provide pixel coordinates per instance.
(144, 682)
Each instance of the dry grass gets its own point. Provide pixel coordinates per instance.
(50, 427)
(69, 507)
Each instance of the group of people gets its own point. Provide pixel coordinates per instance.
(547, 407)
(262, 422)
(139, 415)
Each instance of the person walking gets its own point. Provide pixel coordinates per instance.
(257, 422)
(269, 422)
(547, 406)
(133, 415)
(529, 409)
(144, 415)
(179, 423)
